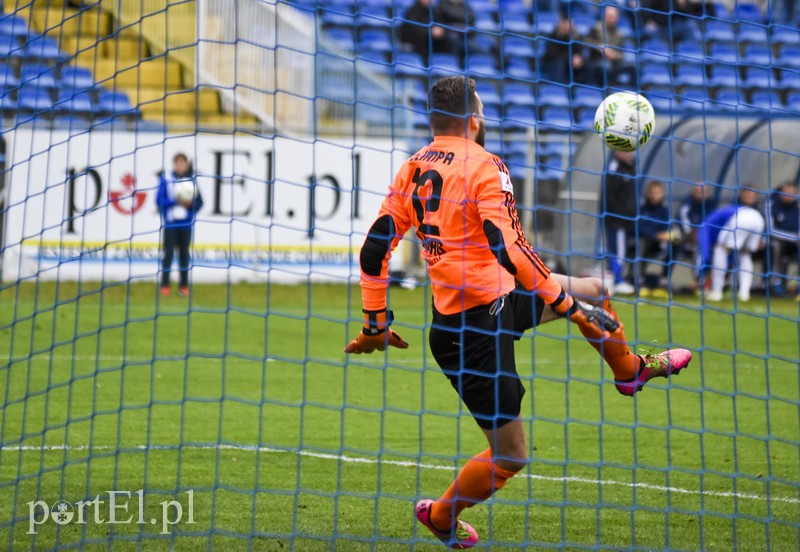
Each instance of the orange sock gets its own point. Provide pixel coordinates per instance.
(614, 349)
(478, 480)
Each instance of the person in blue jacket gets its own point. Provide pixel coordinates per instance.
(177, 219)
(737, 228)
(784, 233)
(654, 240)
(693, 209)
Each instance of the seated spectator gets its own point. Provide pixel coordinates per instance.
(654, 240)
(693, 209)
(608, 56)
(784, 234)
(737, 229)
(566, 58)
(618, 209)
(420, 31)
(457, 17)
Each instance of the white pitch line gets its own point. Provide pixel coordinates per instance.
(418, 465)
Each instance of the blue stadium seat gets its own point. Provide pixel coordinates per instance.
(376, 40)
(35, 99)
(766, 99)
(585, 118)
(76, 78)
(724, 75)
(719, 31)
(662, 98)
(115, 103)
(757, 78)
(492, 114)
(373, 60)
(445, 65)
(656, 74)
(757, 54)
(690, 75)
(588, 97)
(488, 93)
(518, 94)
(520, 69)
(747, 12)
(752, 33)
(789, 56)
(7, 102)
(790, 80)
(342, 37)
(9, 46)
(693, 99)
(719, 10)
(80, 103)
(494, 146)
(38, 76)
(14, 26)
(582, 24)
(516, 20)
(724, 53)
(482, 43)
(486, 23)
(44, 48)
(655, 50)
(728, 98)
(556, 118)
(409, 64)
(545, 23)
(689, 51)
(519, 117)
(373, 17)
(793, 100)
(482, 66)
(515, 46)
(8, 79)
(783, 36)
(554, 95)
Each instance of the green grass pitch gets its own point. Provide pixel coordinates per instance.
(111, 388)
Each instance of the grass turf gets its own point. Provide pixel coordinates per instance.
(243, 395)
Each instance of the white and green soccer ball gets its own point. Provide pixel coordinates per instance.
(625, 121)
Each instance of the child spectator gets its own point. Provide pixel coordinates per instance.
(654, 240)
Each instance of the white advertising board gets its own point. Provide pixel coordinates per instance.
(84, 206)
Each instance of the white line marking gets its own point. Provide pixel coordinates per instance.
(408, 464)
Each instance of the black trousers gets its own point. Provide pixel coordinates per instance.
(179, 238)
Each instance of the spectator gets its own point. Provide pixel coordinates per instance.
(654, 240)
(457, 17)
(608, 56)
(784, 233)
(737, 228)
(694, 208)
(566, 58)
(618, 209)
(420, 30)
(177, 215)
(671, 20)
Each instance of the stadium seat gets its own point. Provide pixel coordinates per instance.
(757, 54)
(583, 24)
(515, 18)
(443, 65)
(373, 17)
(70, 102)
(655, 51)
(689, 51)
(515, 46)
(662, 98)
(38, 76)
(518, 94)
(693, 99)
(35, 99)
(556, 118)
(8, 79)
(793, 101)
(724, 53)
(589, 97)
(554, 95)
(747, 12)
(520, 69)
(488, 93)
(757, 78)
(482, 66)
(481, 43)
(585, 119)
(492, 114)
(724, 75)
(14, 26)
(43, 48)
(76, 77)
(545, 23)
(7, 103)
(766, 99)
(375, 40)
(785, 36)
(9, 46)
(719, 31)
(789, 56)
(519, 117)
(332, 18)
(343, 38)
(751, 33)
(409, 64)
(790, 80)
(728, 98)
(690, 75)
(486, 24)
(656, 74)
(115, 103)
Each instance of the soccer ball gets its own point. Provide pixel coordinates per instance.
(184, 191)
(625, 120)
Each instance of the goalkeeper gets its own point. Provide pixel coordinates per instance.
(489, 286)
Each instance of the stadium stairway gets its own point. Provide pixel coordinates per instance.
(127, 74)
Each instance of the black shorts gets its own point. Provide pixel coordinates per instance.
(475, 350)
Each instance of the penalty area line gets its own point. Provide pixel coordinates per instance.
(406, 464)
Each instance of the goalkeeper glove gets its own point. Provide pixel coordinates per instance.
(581, 312)
(376, 334)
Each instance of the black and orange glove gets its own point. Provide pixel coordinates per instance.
(581, 312)
(376, 334)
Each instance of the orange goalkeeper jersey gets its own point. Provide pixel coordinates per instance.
(460, 200)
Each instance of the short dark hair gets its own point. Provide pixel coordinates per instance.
(451, 100)
(180, 156)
